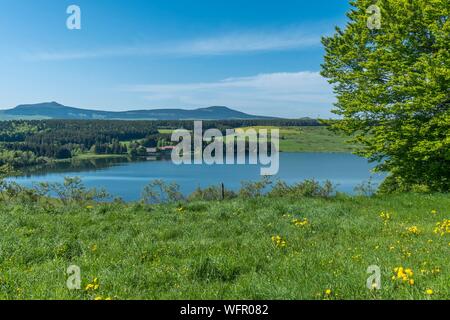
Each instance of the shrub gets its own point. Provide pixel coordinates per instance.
(367, 188)
(252, 189)
(158, 191)
(71, 190)
(211, 193)
(307, 188)
(394, 184)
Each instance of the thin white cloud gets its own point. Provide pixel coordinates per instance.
(296, 94)
(287, 39)
(223, 44)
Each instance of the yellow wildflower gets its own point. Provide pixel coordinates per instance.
(404, 275)
(409, 272)
(385, 216)
(413, 230)
(436, 270)
(94, 285)
(279, 242)
(300, 222)
(98, 298)
(443, 227)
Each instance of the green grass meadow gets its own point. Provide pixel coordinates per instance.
(304, 139)
(309, 139)
(226, 250)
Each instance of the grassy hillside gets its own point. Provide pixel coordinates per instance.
(310, 139)
(305, 139)
(229, 249)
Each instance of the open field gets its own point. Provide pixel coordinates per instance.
(165, 131)
(215, 250)
(304, 139)
(310, 139)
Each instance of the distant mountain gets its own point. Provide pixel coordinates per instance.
(54, 110)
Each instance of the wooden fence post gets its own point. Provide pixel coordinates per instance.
(222, 191)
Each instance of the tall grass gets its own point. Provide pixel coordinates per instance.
(226, 249)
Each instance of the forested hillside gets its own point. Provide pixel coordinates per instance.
(37, 141)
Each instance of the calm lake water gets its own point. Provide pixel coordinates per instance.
(127, 179)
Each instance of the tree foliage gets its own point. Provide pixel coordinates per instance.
(25, 143)
(392, 87)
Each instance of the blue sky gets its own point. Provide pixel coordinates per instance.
(260, 57)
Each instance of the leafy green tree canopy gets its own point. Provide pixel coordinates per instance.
(391, 76)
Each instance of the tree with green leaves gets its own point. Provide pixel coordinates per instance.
(390, 69)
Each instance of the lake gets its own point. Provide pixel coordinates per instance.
(125, 179)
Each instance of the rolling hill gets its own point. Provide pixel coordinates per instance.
(54, 110)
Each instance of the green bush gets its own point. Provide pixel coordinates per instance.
(307, 188)
(251, 189)
(159, 191)
(212, 193)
